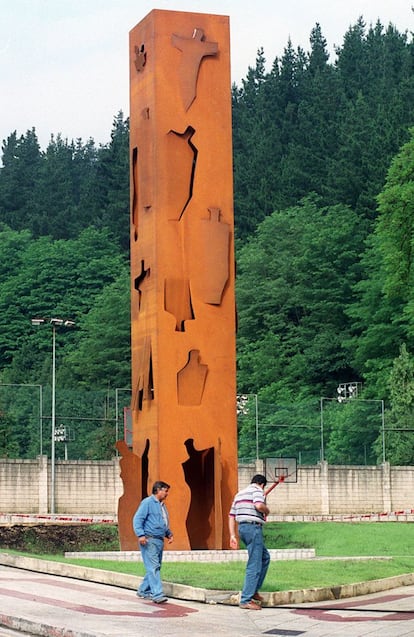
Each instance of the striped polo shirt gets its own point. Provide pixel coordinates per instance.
(243, 508)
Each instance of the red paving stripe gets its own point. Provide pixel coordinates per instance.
(74, 586)
(327, 613)
(167, 610)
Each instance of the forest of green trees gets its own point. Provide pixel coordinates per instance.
(324, 216)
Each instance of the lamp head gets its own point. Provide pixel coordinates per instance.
(56, 321)
(38, 321)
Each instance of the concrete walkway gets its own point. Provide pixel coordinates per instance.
(60, 600)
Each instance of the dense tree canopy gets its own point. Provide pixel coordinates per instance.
(296, 277)
(68, 187)
(324, 209)
(308, 125)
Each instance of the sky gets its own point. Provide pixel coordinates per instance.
(64, 63)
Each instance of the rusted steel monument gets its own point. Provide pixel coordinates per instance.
(182, 272)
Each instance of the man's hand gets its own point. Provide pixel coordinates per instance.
(262, 507)
(170, 539)
(142, 540)
(234, 544)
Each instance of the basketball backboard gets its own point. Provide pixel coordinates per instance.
(277, 468)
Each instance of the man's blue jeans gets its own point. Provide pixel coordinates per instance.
(258, 560)
(151, 552)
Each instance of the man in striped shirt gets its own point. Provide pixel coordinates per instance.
(249, 510)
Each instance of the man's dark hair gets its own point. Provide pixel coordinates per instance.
(157, 486)
(259, 479)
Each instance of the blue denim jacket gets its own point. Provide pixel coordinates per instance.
(149, 520)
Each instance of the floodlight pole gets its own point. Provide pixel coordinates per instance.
(322, 437)
(41, 418)
(256, 407)
(52, 453)
(54, 322)
(383, 430)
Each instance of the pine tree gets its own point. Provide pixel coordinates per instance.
(399, 445)
(18, 177)
(113, 182)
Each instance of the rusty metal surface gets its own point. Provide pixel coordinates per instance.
(182, 271)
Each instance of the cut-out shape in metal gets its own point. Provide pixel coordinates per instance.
(191, 380)
(144, 389)
(210, 270)
(177, 301)
(139, 283)
(140, 58)
(134, 188)
(128, 502)
(199, 474)
(142, 193)
(182, 159)
(193, 50)
(134, 474)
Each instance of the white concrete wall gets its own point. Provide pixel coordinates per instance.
(80, 486)
(90, 487)
(19, 481)
(87, 487)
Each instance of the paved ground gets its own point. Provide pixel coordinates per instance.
(7, 632)
(37, 603)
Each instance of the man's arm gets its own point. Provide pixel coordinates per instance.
(232, 529)
(138, 521)
(262, 507)
(169, 535)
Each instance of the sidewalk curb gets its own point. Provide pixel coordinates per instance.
(180, 591)
(35, 628)
(193, 594)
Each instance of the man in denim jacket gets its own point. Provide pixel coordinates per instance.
(151, 525)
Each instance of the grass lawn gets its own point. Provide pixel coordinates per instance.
(339, 539)
(393, 540)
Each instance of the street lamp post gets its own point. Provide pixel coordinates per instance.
(383, 430)
(322, 452)
(256, 423)
(54, 322)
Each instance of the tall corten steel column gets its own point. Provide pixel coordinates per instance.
(182, 266)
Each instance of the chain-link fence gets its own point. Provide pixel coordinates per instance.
(88, 423)
(341, 432)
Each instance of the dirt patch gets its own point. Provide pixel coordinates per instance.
(59, 538)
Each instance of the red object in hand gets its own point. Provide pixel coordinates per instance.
(272, 486)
